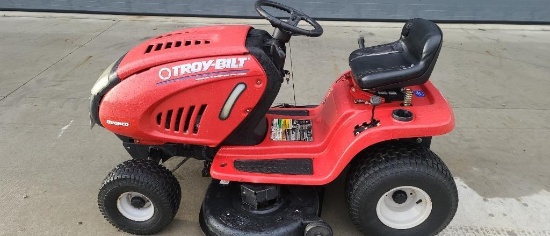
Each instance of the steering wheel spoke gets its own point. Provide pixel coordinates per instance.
(294, 19)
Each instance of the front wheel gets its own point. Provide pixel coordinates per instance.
(400, 189)
(139, 197)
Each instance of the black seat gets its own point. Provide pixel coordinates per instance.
(408, 61)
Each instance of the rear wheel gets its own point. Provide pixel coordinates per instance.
(139, 197)
(400, 189)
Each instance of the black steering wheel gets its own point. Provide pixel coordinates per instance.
(291, 25)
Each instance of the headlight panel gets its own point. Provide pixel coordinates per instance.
(103, 80)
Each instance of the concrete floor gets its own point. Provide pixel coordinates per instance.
(497, 78)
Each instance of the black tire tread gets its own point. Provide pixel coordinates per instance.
(148, 175)
(367, 169)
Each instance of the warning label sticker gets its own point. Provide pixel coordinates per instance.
(291, 130)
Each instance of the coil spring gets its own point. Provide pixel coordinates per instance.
(408, 97)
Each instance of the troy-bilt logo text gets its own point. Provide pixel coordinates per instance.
(199, 66)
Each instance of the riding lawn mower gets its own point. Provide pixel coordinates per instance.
(207, 93)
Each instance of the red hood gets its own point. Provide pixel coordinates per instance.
(185, 44)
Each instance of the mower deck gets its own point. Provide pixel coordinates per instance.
(225, 211)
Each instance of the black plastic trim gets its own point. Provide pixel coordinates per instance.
(289, 166)
(257, 43)
(402, 115)
(289, 112)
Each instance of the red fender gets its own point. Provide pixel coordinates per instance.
(334, 143)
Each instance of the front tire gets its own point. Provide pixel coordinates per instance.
(139, 197)
(400, 189)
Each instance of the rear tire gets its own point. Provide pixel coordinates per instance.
(400, 189)
(139, 197)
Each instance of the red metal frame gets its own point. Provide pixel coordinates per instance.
(334, 143)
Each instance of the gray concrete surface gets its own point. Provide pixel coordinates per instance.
(497, 78)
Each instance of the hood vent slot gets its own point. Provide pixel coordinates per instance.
(198, 120)
(184, 120)
(176, 44)
(188, 118)
(178, 119)
(168, 119)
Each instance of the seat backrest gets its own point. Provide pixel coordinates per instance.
(405, 62)
(422, 39)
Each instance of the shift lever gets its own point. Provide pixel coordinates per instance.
(374, 101)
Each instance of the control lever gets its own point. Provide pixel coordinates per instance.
(361, 42)
(374, 101)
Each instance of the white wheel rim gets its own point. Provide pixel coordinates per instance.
(404, 214)
(125, 207)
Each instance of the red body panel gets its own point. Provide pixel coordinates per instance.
(170, 98)
(185, 44)
(334, 143)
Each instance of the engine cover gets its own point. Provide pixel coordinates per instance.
(191, 86)
(185, 44)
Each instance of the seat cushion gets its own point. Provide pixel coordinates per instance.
(408, 61)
